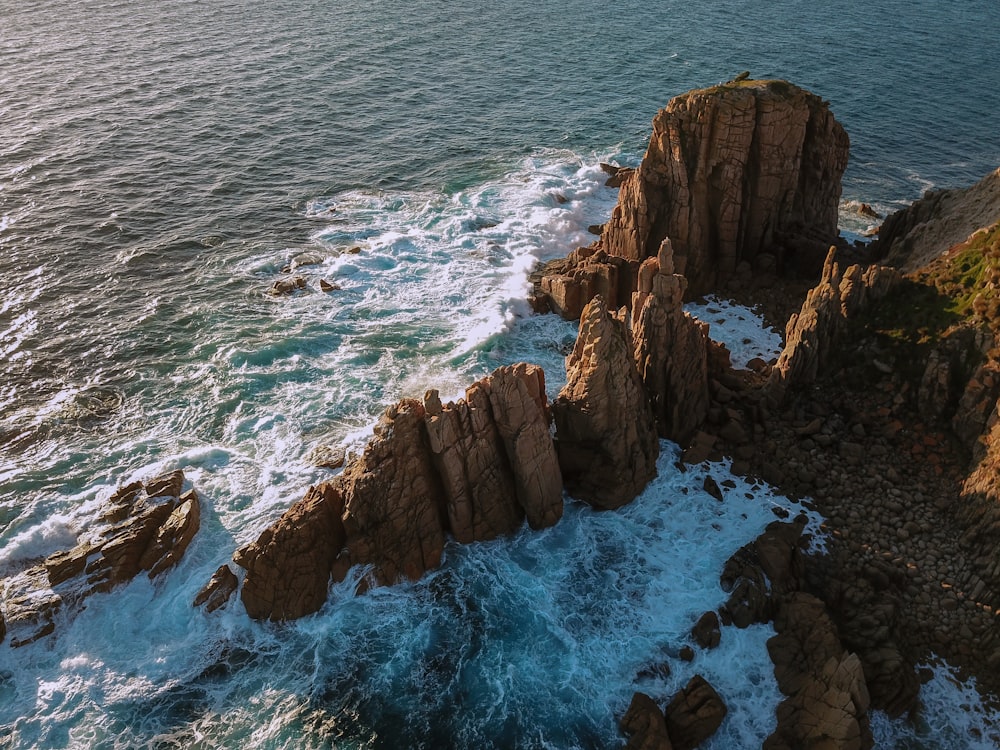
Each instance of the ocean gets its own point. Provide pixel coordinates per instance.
(161, 163)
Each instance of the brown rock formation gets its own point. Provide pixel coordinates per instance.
(570, 283)
(288, 567)
(827, 703)
(394, 516)
(815, 331)
(474, 469)
(915, 236)
(218, 590)
(671, 348)
(694, 714)
(645, 725)
(607, 442)
(145, 527)
(761, 571)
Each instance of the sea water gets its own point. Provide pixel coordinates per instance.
(162, 163)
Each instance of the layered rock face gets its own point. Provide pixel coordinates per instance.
(731, 173)
(671, 348)
(607, 442)
(813, 333)
(144, 527)
(474, 469)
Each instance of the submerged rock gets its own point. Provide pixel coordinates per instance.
(283, 287)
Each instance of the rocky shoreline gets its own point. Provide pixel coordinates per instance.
(882, 409)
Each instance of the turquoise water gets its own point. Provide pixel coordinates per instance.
(160, 163)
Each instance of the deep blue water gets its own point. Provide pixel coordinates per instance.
(161, 162)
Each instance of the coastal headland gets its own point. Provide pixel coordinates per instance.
(882, 408)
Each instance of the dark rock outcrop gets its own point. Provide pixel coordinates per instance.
(473, 469)
(606, 438)
(813, 333)
(645, 725)
(144, 527)
(827, 703)
(694, 714)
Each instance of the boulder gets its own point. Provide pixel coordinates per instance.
(606, 437)
(283, 287)
(218, 590)
(706, 631)
(768, 567)
(694, 714)
(645, 725)
(143, 527)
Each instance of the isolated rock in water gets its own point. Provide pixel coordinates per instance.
(814, 332)
(645, 725)
(605, 435)
(914, 236)
(288, 567)
(694, 714)
(706, 632)
(282, 287)
(731, 172)
(144, 527)
(326, 286)
(303, 259)
(671, 349)
(218, 590)
(827, 703)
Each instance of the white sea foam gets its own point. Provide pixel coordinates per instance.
(741, 329)
(538, 640)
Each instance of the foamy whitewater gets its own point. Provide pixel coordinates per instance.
(162, 163)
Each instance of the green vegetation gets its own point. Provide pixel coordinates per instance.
(969, 276)
(957, 292)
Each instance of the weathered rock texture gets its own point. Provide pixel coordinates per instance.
(645, 725)
(694, 714)
(219, 589)
(813, 334)
(732, 172)
(827, 703)
(607, 442)
(474, 469)
(915, 236)
(672, 350)
(144, 527)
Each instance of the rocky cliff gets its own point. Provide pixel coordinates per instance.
(472, 470)
(913, 237)
(744, 173)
